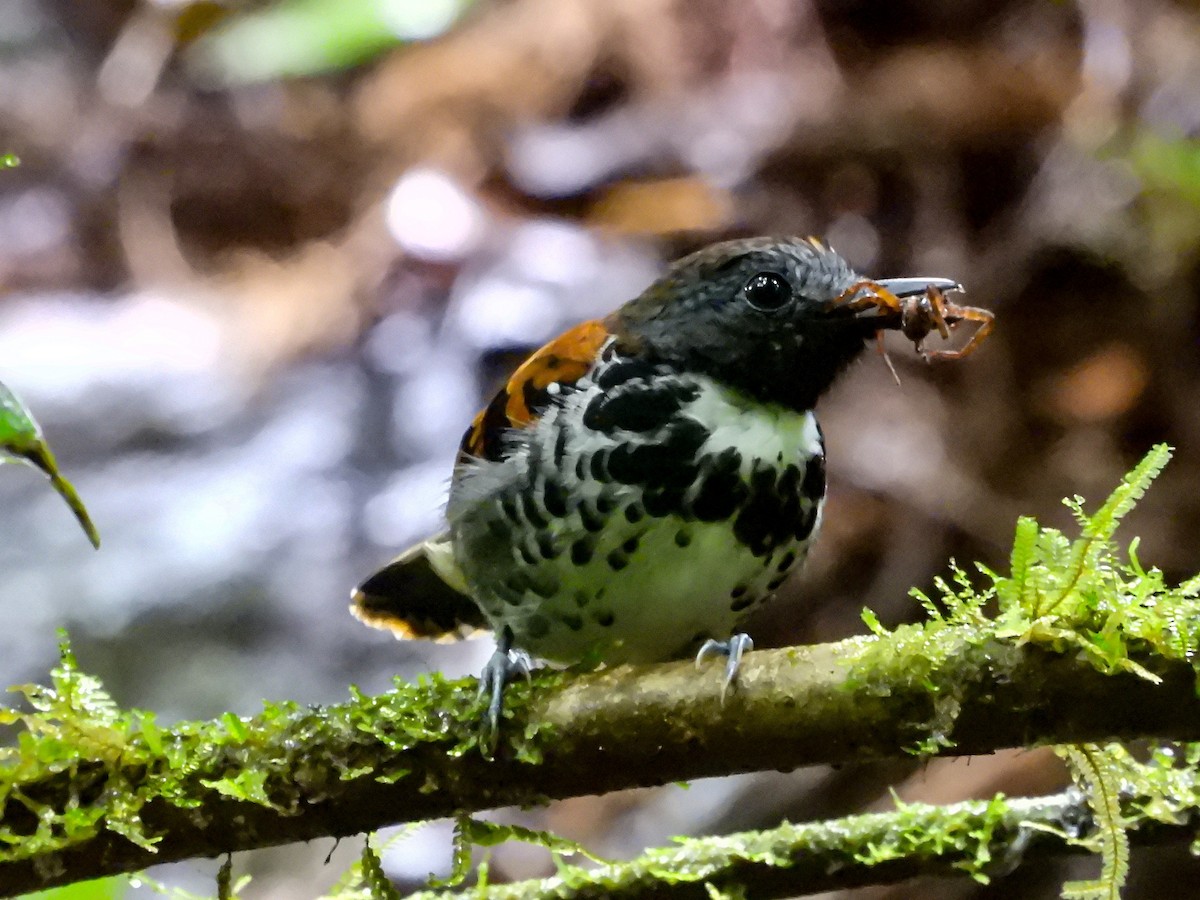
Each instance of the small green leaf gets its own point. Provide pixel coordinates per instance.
(21, 438)
(235, 726)
(249, 785)
(9, 161)
(151, 733)
(872, 622)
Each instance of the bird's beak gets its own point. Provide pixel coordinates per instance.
(909, 287)
(881, 299)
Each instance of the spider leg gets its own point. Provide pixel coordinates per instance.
(986, 320)
(936, 301)
(887, 359)
(876, 296)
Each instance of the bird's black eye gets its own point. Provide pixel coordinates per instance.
(768, 291)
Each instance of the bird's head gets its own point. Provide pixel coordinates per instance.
(772, 317)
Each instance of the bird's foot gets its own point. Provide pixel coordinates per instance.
(504, 664)
(732, 650)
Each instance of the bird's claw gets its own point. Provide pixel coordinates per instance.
(732, 650)
(504, 664)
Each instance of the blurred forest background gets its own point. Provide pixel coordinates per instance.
(260, 265)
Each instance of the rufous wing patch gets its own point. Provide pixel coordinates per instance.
(521, 401)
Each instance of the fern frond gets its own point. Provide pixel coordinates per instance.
(1100, 776)
(1075, 505)
(1099, 528)
(1024, 543)
(1191, 587)
(1131, 489)
(927, 604)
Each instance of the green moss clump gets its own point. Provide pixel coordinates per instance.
(115, 762)
(969, 834)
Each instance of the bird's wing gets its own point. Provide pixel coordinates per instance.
(521, 401)
(419, 594)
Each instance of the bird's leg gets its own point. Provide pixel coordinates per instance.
(499, 670)
(732, 650)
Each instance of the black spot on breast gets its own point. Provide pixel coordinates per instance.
(775, 582)
(683, 538)
(631, 545)
(508, 507)
(805, 523)
(722, 490)
(813, 486)
(592, 413)
(755, 526)
(528, 555)
(533, 513)
(663, 501)
(741, 603)
(788, 492)
(738, 591)
(605, 619)
(685, 437)
(537, 626)
(516, 584)
(582, 599)
(639, 408)
(547, 546)
(543, 585)
(653, 465)
(624, 371)
(605, 503)
(572, 621)
(639, 463)
(617, 560)
(665, 468)
(590, 517)
(582, 550)
(554, 497)
(598, 465)
(634, 512)
(560, 447)
(785, 561)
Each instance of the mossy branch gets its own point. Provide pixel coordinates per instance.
(91, 790)
(135, 795)
(982, 839)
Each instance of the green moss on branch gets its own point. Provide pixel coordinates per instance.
(95, 793)
(982, 839)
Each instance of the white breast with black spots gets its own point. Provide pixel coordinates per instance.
(645, 517)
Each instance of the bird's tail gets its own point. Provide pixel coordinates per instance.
(419, 594)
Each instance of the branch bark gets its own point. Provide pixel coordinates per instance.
(320, 769)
